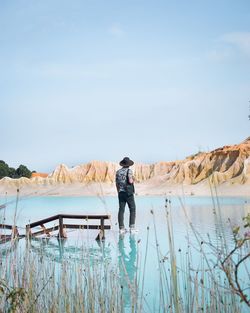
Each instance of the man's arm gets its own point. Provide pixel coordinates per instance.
(116, 183)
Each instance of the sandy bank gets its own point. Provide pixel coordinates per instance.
(106, 189)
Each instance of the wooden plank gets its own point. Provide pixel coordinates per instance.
(41, 232)
(70, 226)
(6, 226)
(87, 217)
(74, 226)
(44, 221)
(46, 231)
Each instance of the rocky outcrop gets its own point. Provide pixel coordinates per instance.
(226, 164)
(229, 164)
(94, 171)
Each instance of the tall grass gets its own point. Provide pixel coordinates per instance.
(43, 275)
(36, 282)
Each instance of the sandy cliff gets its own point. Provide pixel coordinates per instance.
(226, 165)
(229, 163)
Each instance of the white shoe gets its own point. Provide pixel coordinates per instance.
(122, 231)
(133, 230)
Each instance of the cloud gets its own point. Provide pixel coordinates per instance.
(116, 30)
(239, 40)
(229, 45)
(219, 54)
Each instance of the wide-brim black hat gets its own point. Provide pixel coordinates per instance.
(126, 162)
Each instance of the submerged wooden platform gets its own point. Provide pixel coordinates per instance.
(61, 227)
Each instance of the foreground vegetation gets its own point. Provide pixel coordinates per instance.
(39, 276)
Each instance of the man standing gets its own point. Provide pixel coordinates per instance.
(125, 189)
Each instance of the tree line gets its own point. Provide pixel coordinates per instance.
(21, 171)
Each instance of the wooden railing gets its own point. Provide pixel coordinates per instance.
(14, 233)
(61, 226)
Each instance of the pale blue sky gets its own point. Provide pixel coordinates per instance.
(153, 80)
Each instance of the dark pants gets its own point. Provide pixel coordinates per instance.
(130, 200)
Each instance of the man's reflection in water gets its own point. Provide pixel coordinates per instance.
(127, 265)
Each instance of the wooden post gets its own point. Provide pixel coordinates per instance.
(15, 233)
(102, 226)
(101, 235)
(28, 231)
(61, 234)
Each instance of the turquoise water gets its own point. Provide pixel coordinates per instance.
(199, 210)
(207, 218)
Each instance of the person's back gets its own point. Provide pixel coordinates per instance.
(125, 189)
(123, 176)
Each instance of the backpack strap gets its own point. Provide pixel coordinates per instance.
(127, 177)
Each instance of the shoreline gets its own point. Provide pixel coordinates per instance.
(107, 189)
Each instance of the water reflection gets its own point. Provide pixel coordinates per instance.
(127, 265)
(60, 250)
(8, 248)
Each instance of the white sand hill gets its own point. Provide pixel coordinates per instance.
(227, 169)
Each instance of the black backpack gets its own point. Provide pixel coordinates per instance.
(130, 188)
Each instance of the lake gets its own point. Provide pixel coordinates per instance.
(193, 222)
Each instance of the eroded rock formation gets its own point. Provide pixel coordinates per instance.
(226, 164)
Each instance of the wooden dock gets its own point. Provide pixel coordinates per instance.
(61, 227)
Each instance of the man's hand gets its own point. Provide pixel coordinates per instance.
(131, 180)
